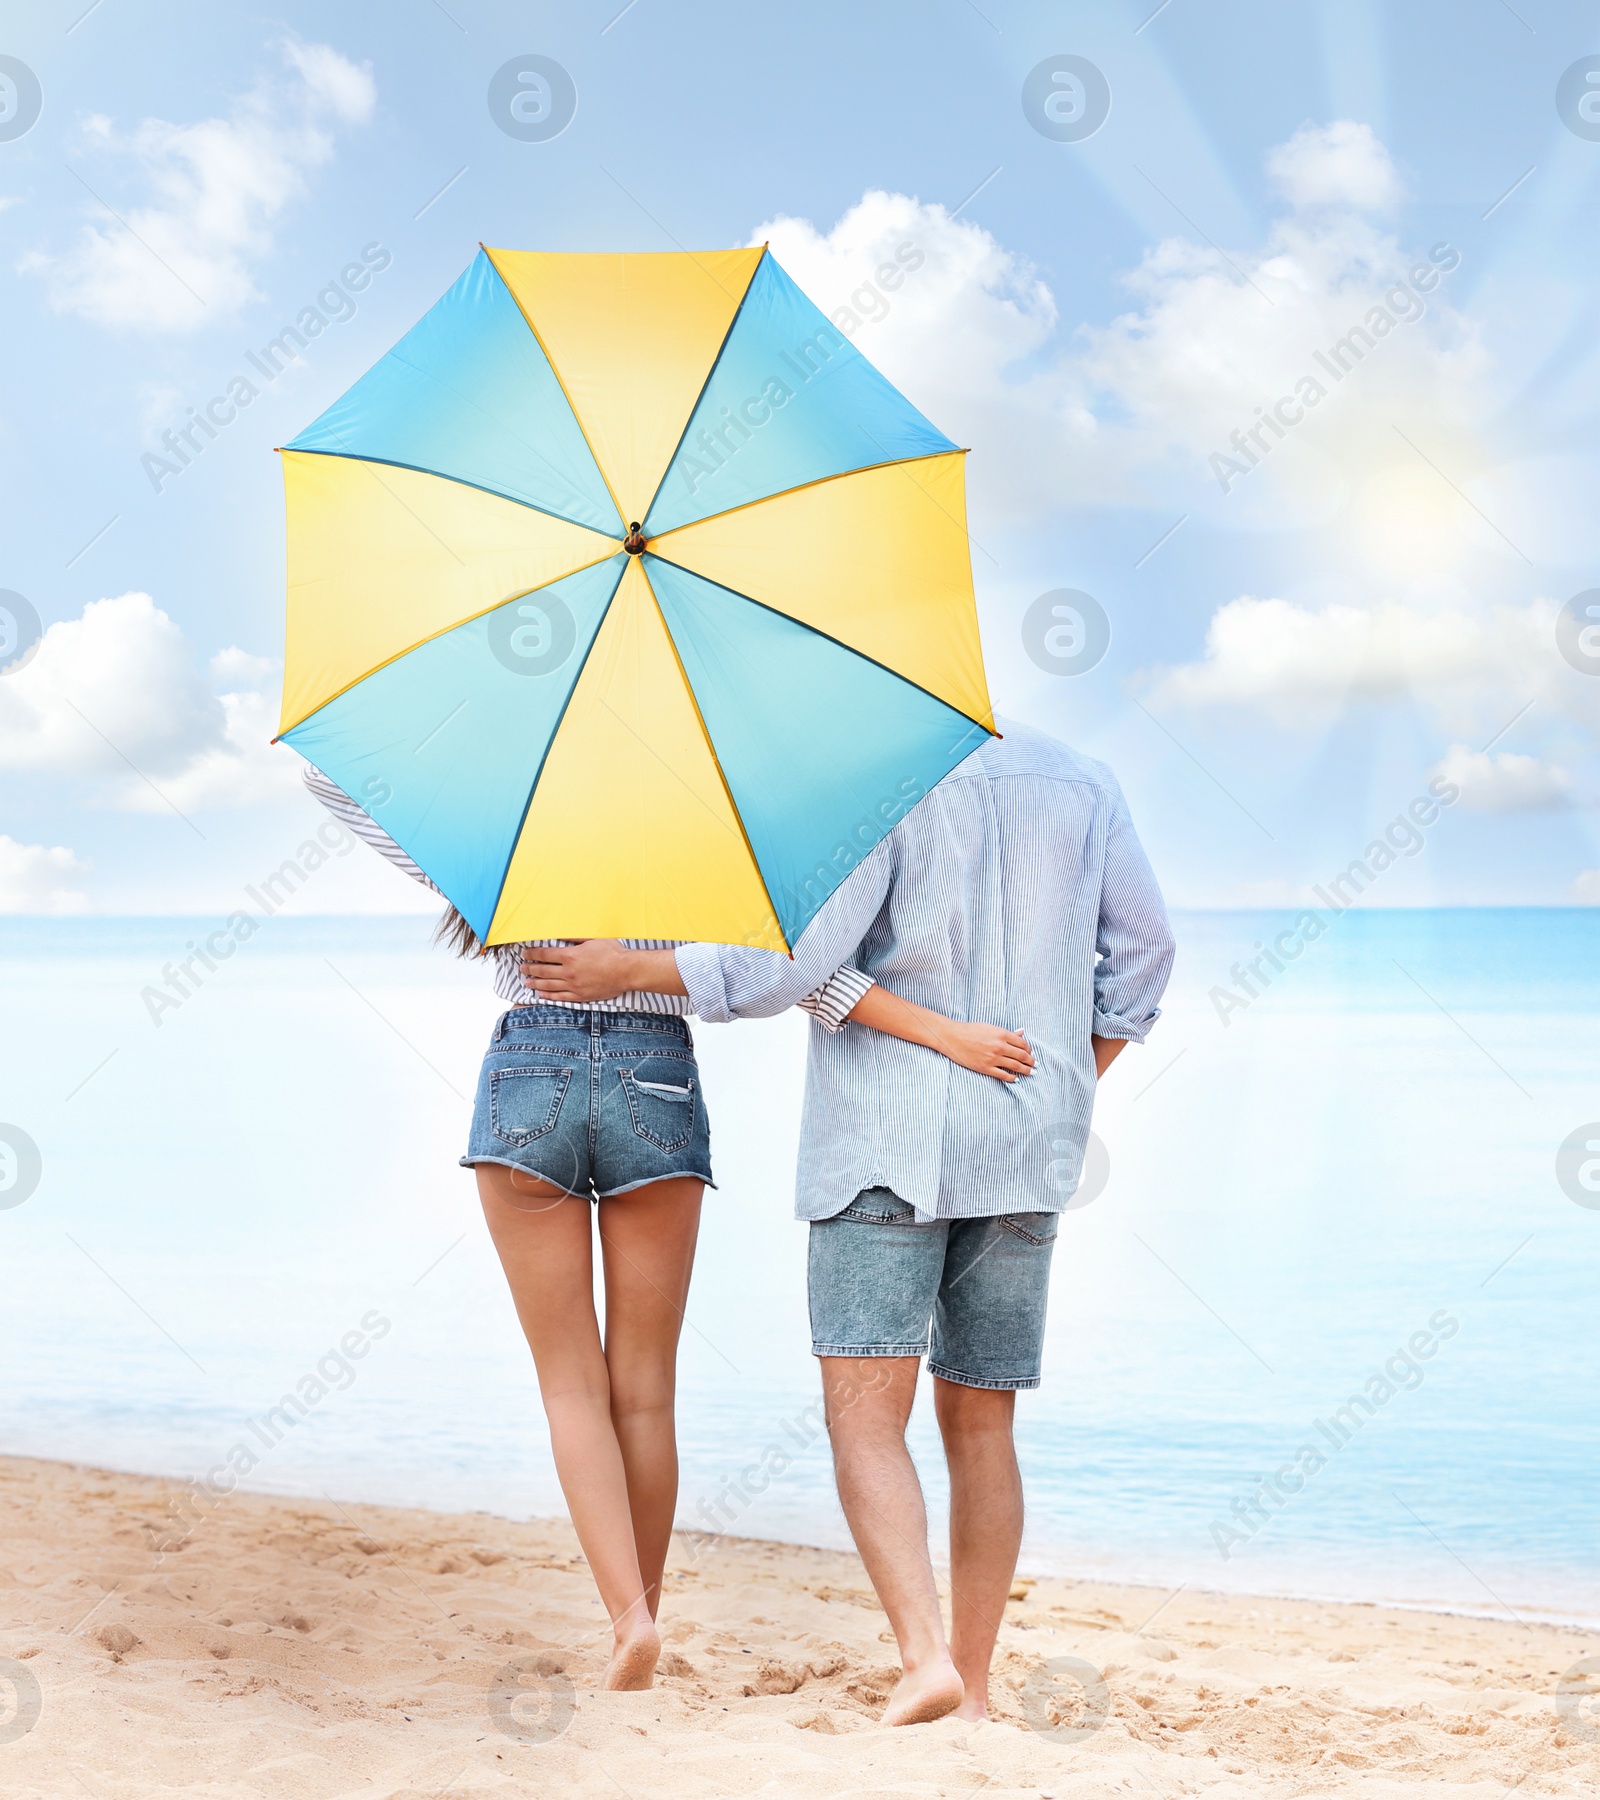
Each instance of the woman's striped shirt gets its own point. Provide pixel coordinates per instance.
(828, 1003)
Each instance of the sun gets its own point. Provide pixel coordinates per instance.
(1407, 523)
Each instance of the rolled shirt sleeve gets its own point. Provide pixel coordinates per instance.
(832, 1003)
(1134, 940)
(727, 982)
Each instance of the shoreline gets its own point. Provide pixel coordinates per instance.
(1049, 1566)
(350, 1648)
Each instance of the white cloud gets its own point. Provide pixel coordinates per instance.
(122, 672)
(1398, 606)
(1505, 781)
(1483, 674)
(240, 769)
(35, 878)
(1341, 164)
(116, 696)
(239, 668)
(342, 89)
(1295, 363)
(968, 300)
(950, 333)
(1129, 412)
(1585, 890)
(215, 188)
(1298, 663)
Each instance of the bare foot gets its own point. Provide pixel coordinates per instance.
(633, 1661)
(924, 1694)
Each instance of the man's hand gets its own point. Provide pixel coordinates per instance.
(597, 969)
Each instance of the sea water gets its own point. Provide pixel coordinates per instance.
(1338, 1182)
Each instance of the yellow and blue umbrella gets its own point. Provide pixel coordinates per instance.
(630, 599)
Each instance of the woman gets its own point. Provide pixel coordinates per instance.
(602, 1104)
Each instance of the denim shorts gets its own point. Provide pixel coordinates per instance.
(876, 1278)
(594, 1102)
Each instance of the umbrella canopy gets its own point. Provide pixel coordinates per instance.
(630, 599)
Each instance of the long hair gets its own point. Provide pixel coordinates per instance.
(457, 935)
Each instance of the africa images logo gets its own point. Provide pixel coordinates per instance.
(532, 98)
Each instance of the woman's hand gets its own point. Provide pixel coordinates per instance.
(597, 969)
(985, 1049)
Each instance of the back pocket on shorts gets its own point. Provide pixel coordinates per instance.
(524, 1103)
(663, 1112)
(1037, 1229)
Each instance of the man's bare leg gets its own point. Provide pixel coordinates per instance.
(868, 1401)
(985, 1525)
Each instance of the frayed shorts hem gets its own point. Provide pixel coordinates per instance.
(650, 1180)
(502, 1162)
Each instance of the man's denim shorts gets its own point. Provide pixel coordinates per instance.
(876, 1277)
(595, 1102)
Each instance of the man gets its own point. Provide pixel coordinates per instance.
(1016, 896)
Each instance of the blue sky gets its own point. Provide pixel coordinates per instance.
(1370, 603)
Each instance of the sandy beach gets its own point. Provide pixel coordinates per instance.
(262, 1646)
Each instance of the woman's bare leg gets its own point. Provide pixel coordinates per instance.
(647, 1240)
(610, 1407)
(544, 1243)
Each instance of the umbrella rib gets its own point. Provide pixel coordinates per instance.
(555, 732)
(716, 761)
(444, 630)
(817, 631)
(902, 466)
(532, 449)
(560, 378)
(683, 435)
(963, 744)
(892, 462)
(372, 470)
(390, 462)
